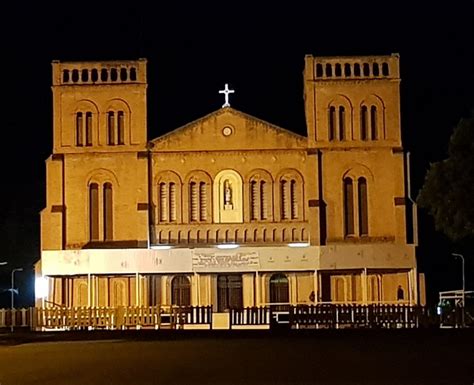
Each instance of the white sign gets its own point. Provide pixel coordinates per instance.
(224, 261)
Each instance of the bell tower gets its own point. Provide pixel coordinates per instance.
(97, 191)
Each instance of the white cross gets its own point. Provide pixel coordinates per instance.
(226, 92)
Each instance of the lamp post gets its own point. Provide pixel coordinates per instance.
(12, 292)
(463, 285)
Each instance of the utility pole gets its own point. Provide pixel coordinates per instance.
(12, 292)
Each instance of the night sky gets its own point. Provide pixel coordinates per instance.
(193, 51)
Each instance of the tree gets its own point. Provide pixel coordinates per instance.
(448, 189)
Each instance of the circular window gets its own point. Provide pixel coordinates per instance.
(227, 130)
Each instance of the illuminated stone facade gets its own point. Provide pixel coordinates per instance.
(135, 222)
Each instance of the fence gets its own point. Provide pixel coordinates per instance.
(18, 318)
(174, 317)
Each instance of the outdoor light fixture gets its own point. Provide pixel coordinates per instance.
(228, 246)
(41, 287)
(298, 244)
(161, 247)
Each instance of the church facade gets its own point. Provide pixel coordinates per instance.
(228, 210)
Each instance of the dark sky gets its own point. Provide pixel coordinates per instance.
(193, 50)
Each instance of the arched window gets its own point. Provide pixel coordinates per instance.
(133, 74)
(123, 74)
(181, 291)
(108, 212)
(193, 196)
(294, 201)
(338, 70)
(328, 70)
(121, 127)
(348, 207)
(385, 71)
(258, 200)
(172, 202)
(85, 75)
(279, 291)
(79, 129)
(66, 76)
(366, 68)
(113, 74)
(104, 75)
(373, 122)
(202, 201)
(375, 69)
(111, 128)
(263, 200)
(319, 70)
(163, 199)
(363, 206)
(342, 123)
(332, 123)
(94, 75)
(115, 127)
(229, 292)
(363, 122)
(284, 200)
(356, 69)
(88, 128)
(94, 212)
(347, 70)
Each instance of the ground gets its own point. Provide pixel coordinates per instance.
(336, 357)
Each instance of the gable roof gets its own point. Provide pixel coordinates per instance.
(246, 133)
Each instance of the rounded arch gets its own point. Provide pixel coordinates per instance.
(167, 176)
(86, 105)
(289, 173)
(259, 174)
(289, 195)
(279, 290)
(180, 290)
(341, 99)
(118, 104)
(358, 170)
(101, 176)
(374, 116)
(197, 175)
(228, 193)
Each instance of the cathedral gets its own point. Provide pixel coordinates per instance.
(228, 211)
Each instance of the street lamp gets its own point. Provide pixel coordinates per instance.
(463, 284)
(12, 291)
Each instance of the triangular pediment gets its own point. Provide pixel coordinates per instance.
(228, 129)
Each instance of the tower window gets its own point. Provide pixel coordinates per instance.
(108, 212)
(104, 75)
(363, 209)
(113, 74)
(385, 71)
(342, 123)
(375, 69)
(121, 127)
(79, 124)
(85, 75)
(356, 69)
(123, 74)
(133, 74)
(94, 212)
(88, 128)
(366, 69)
(111, 128)
(348, 207)
(66, 76)
(328, 70)
(94, 75)
(338, 70)
(75, 76)
(319, 70)
(332, 123)
(373, 122)
(347, 69)
(363, 123)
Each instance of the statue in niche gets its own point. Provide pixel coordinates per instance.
(228, 195)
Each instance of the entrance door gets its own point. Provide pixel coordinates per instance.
(181, 291)
(279, 291)
(229, 292)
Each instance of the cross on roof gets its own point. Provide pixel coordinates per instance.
(226, 92)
